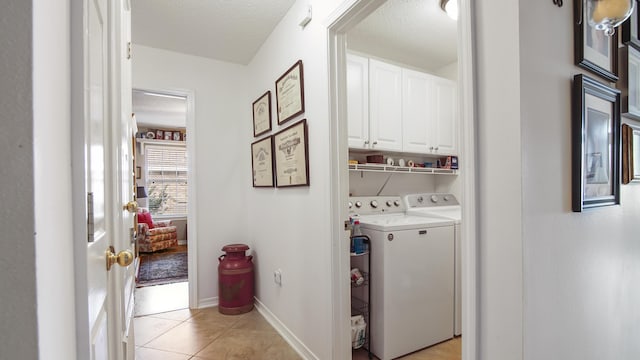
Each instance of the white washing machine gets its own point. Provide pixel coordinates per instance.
(412, 272)
(447, 206)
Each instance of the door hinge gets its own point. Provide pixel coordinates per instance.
(90, 219)
(129, 50)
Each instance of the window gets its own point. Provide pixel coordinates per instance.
(166, 179)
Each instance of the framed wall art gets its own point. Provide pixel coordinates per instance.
(290, 93)
(262, 162)
(593, 50)
(291, 153)
(262, 114)
(629, 30)
(630, 153)
(629, 83)
(595, 144)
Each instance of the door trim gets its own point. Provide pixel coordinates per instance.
(192, 228)
(338, 23)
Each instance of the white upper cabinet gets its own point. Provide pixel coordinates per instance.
(358, 101)
(396, 109)
(445, 122)
(417, 109)
(385, 106)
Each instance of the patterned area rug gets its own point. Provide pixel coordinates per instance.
(162, 268)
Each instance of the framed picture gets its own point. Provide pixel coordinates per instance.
(630, 153)
(177, 136)
(629, 83)
(291, 149)
(290, 93)
(595, 144)
(168, 135)
(629, 30)
(138, 172)
(184, 136)
(159, 134)
(262, 114)
(262, 162)
(593, 50)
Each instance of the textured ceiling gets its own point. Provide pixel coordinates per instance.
(414, 32)
(227, 30)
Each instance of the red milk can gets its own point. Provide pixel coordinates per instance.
(235, 280)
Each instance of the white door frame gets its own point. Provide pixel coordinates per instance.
(192, 236)
(338, 23)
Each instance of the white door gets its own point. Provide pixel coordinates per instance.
(385, 106)
(99, 177)
(358, 101)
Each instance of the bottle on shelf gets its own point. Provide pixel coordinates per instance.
(358, 244)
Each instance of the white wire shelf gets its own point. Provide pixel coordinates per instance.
(401, 169)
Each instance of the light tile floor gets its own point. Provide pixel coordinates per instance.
(208, 335)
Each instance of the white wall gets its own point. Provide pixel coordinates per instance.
(500, 178)
(289, 227)
(223, 164)
(18, 322)
(52, 164)
(581, 270)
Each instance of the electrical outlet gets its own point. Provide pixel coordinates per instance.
(277, 277)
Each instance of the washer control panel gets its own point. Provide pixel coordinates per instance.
(430, 200)
(371, 205)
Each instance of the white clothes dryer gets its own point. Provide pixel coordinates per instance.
(447, 206)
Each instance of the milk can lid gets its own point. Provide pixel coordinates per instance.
(235, 248)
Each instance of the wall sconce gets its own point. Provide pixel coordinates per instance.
(450, 7)
(606, 15)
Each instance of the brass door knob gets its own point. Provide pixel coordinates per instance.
(131, 207)
(124, 257)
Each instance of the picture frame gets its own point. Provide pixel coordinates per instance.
(629, 84)
(262, 114)
(168, 135)
(291, 155)
(630, 153)
(177, 136)
(262, 162)
(138, 172)
(184, 136)
(630, 30)
(593, 50)
(159, 134)
(290, 93)
(595, 144)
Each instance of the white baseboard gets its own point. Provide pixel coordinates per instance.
(208, 302)
(288, 336)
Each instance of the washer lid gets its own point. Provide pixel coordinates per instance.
(401, 222)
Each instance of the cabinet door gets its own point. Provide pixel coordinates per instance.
(385, 106)
(446, 124)
(358, 101)
(417, 111)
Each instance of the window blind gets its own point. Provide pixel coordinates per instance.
(166, 179)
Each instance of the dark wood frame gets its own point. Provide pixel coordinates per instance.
(301, 83)
(628, 28)
(268, 95)
(302, 122)
(270, 138)
(629, 56)
(580, 22)
(582, 86)
(628, 145)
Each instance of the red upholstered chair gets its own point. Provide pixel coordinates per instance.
(154, 236)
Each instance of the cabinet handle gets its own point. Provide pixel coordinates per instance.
(375, 143)
(430, 147)
(366, 142)
(436, 148)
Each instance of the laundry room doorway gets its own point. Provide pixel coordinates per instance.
(164, 267)
(347, 38)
